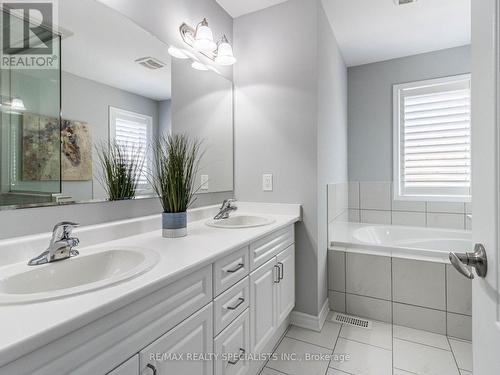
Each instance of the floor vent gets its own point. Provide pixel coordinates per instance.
(351, 320)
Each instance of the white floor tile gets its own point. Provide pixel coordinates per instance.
(364, 359)
(299, 367)
(423, 359)
(269, 371)
(380, 334)
(463, 353)
(326, 338)
(421, 337)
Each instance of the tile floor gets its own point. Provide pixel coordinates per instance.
(384, 350)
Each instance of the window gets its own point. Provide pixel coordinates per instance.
(432, 140)
(133, 130)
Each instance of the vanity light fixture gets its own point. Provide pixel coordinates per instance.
(201, 39)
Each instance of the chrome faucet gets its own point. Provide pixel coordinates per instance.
(61, 245)
(226, 208)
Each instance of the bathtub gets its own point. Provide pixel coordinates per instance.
(418, 243)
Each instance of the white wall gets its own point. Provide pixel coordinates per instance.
(370, 106)
(280, 87)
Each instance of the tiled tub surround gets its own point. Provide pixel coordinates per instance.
(373, 202)
(430, 296)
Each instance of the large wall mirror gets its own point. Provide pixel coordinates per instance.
(113, 81)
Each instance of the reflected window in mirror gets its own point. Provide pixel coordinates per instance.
(134, 132)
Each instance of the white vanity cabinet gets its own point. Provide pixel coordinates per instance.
(175, 352)
(231, 346)
(286, 284)
(272, 296)
(263, 296)
(232, 308)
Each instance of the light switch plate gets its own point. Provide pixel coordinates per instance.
(204, 182)
(267, 182)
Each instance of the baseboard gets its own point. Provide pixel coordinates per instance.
(312, 322)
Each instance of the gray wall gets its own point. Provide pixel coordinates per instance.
(89, 101)
(370, 106)
(164, 117)
(202, 107)
(332, 133)
(277, 127)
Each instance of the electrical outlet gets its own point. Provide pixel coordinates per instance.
(204, 182)
(267, 182)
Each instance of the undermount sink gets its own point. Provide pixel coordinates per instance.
(240, 221)
(23, 284)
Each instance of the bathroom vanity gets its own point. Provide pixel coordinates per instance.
(207, 300)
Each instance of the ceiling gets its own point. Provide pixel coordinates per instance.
(237, 8)
(105, 49)
(376, 30)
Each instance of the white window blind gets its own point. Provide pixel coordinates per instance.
(433, 139)
(134, 132)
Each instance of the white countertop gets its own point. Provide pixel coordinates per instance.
(25, 328)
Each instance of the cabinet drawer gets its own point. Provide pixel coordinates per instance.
(230, 304)
(231, 269)
(192, 337)
(231, 346)
(266, 248)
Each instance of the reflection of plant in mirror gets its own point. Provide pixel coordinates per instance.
(122, 167)
(176, 162)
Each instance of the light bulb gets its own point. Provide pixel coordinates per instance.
(204, 38)
(225, 53)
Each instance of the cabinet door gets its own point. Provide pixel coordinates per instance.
(231, 346)
(263, 304)
(286, 286)
(130, 367)
(172, 353)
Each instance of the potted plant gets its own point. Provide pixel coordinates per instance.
(176, 162)
(122, 166)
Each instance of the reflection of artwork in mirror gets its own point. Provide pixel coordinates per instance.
(76, 148)
(40, 154)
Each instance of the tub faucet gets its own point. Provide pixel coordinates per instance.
(226, 208)
(61, 245)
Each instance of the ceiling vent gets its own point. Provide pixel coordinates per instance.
(150, 63)
(403, 2)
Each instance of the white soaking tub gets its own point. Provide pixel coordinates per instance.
(418, 243)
